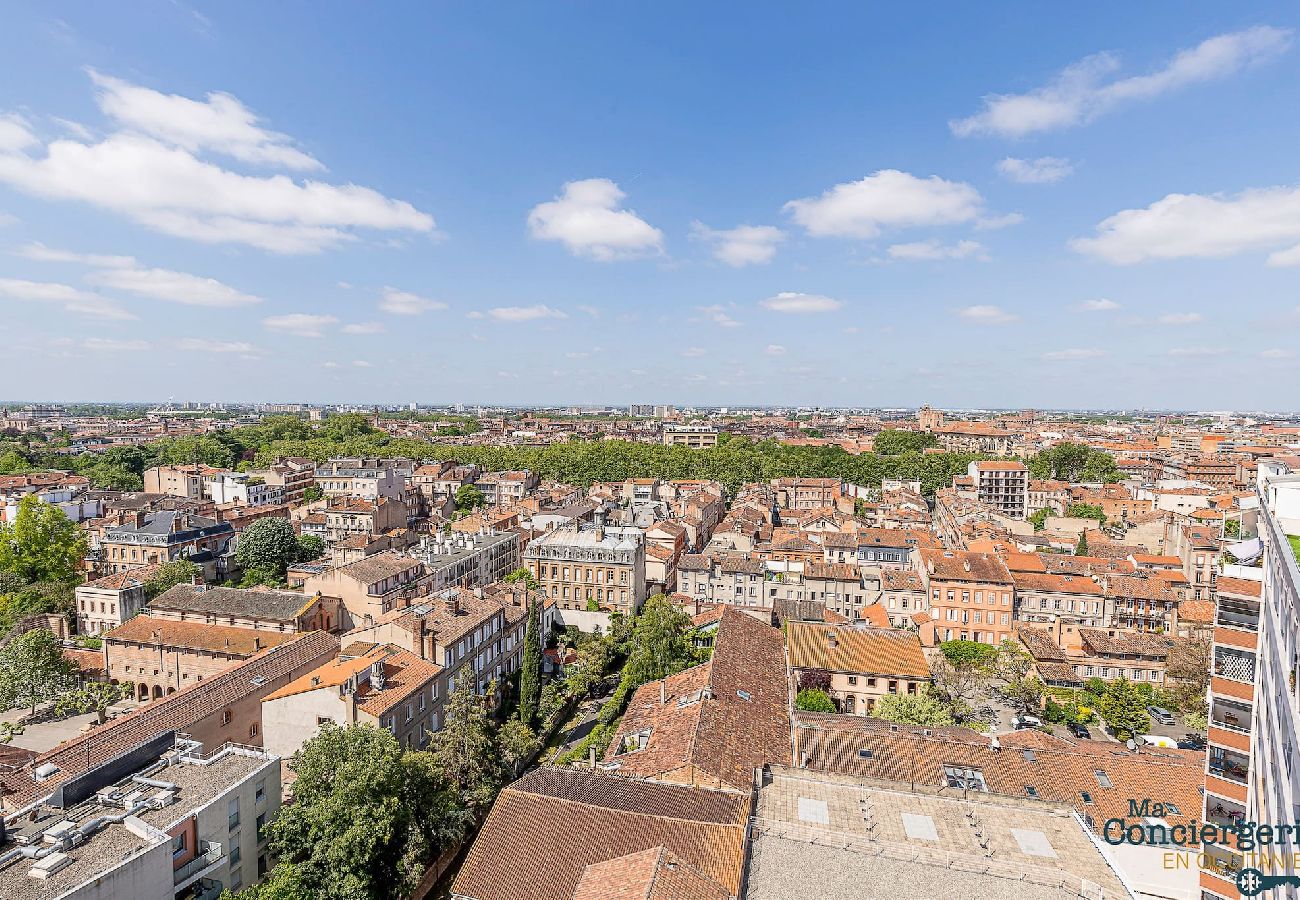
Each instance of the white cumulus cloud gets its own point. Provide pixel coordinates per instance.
(1075, 353)
(42, 253)
(794, 302)
(744, 245)
(71, 299)
(364, 328)
(986, 314)
(587, 219)
(1188, 318)
(886, 199)
(301, 324)
(404, 303)
(525, 313)
(204, 345)
(1101, 304)
(1199, 225)
(935, 249)
(150, 171)
(219, 123)
(173, 287)
(1043, 170)
(1089, 88)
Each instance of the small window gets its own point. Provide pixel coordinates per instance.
(1171, 809)
(864, 753)
(178, 844)
(1031, 791)
(1087, 798)
(1103, 779)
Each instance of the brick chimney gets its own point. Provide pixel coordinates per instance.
(421, 629)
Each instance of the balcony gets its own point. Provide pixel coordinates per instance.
(1229, 765)
(1225, 812)
(1230, 715)
(1239, 665)
(203, 864)
(1225, 864)
(1237, 614)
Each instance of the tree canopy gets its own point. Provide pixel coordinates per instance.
(41, 543)
(168, 575)
(813, 700)
(1123, 707)
(912, 709)
(33, 669)
(892, 442)
(267, 547)
(1073, 462)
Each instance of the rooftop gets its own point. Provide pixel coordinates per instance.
(275, 606)
(877, 651)
(907, 843)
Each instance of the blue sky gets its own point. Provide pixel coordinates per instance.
(836, 204)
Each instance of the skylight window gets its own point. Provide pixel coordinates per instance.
(1103, 779)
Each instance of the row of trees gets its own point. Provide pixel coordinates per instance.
(1073, 462)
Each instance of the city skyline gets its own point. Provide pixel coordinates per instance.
(588, 206)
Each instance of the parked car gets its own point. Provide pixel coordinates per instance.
(1192, 742)
(1019, 722)
(1080, 731)
(1162, 715)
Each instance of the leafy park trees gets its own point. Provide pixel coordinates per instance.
(530, 673)
(891, 442)
(41, 543)
(33, 670)
(1073, 462)
(93, 696)
(468, 497)
(1123, 707)
(366, 819)
(168, 575)
(913, 709)
(268, 546)
(813, 700)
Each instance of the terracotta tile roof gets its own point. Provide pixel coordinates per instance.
(1125, 643)
(1059, 584)
(1024, 562)
(1059, 564)
(332, 674)
(405, 675)
(546, 829)
(999, 466)
(900, 580)
(1199, 611)
(831, 571)
(1152, 559)
(143, 629)
(875, 615)
(872, 651)
(1040, 644)
(174, 712)
(653, 874)
(1060, 769)
(121, 581)
(1241, 586)
(958, 565)
(1138, 588)
(730, 717)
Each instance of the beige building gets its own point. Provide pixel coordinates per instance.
(697, 437)
(381, 685)
(109, 601)
(863, 664)
(372, 587)
(180, 481)
(580, 567)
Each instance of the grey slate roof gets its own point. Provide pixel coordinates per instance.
(275, 606)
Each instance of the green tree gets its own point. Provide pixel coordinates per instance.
(912, 709)
(33, 599)
(265, 549)
(530, 673)
(33, 669)
(462, 749)
(813, 700)
(310, 546)
(93, 696)
(1081, 548)
(1232, 528)
(1039, 518)
(366, 818)
(891, 441)
(516, 743)
(968, 652)
(1012, 661)
(41, 543)
(170, 574)
(522, 575)
(1123, 707)
(1024, 694)
(284, 882)
(9, 731)
(1086, 511)
(660, 646)
(312, 493)
(468, 497)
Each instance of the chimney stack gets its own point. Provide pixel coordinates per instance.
(420, 631)
(663, 692)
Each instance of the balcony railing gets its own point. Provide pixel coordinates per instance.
(1229, 769)
(1233, 717)
(1237, 617)
(211, 856)
(1234, 664)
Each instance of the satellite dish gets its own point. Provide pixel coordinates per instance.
(1131, 744)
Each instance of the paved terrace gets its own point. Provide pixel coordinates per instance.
(860, 838)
